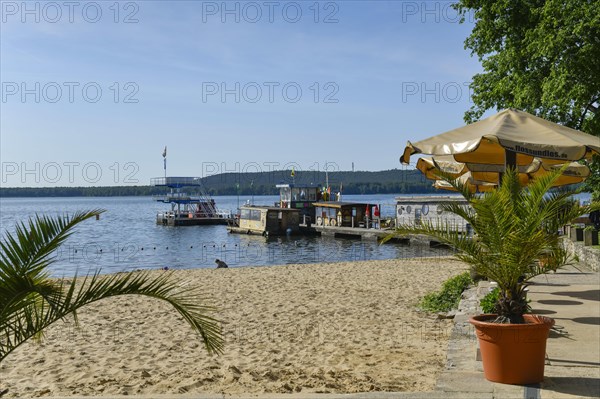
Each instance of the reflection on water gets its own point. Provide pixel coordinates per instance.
(127, 238)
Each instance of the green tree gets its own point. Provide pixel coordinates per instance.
(540, 56)
(592, 183)
(30, 301)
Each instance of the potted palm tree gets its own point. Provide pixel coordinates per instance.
(516, 238)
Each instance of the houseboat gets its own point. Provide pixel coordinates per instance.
(414, 210)
(350, 220)
(347, 214)
(186, 209)
(267, 221)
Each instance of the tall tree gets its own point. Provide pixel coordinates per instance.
(540, 56)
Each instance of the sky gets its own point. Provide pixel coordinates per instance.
(92, 92)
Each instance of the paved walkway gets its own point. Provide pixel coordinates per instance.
(572, 298)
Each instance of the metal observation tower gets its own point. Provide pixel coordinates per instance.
(186, 209)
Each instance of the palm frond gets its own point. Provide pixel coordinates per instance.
(26, 254)
(30, 301)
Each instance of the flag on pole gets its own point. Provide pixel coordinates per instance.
(165, 152)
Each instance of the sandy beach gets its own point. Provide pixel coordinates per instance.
(331, 327)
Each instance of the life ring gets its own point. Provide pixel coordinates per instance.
(332, 222)
(319, 221)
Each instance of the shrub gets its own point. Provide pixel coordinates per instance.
(488, 302)
(449, 296)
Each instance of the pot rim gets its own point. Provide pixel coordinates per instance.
(534, 321)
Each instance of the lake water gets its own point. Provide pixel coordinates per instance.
(127, 237)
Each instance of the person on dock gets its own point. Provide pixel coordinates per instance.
(221, 264)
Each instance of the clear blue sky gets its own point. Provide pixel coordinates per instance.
(373, 74)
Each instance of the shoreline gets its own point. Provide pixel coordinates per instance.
(342, 327)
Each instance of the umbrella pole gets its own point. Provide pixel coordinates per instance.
(510, 161)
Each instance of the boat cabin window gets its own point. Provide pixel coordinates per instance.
(250, 214)
(245, 214)
(285, 193)
(326, 212)
(296, 194)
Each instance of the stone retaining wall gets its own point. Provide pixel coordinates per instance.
(587, 255)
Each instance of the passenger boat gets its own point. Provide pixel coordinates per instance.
(267, 221)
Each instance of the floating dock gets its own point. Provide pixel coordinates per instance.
(353, 232)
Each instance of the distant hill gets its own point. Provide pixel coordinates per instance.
(394, 181)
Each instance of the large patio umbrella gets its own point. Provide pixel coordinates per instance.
(512, 138)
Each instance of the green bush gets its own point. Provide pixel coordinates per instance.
(488, 302)
(449, 296)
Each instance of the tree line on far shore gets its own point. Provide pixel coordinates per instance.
(393, 181)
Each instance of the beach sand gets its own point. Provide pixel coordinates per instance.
(331, 327)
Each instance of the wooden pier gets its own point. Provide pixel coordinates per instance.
(373, 234)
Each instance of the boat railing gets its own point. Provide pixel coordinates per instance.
(224, 214)
(175, 181)
(177, 197)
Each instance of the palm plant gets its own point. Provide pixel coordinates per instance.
(515, 235)
(30, 300)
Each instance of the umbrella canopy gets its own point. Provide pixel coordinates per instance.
(475, 186)
(480, 177)
(488, 142)
(431, 167)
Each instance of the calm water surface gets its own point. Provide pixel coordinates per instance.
(127, 237)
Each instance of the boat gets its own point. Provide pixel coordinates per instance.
(416, 209)
(347, 214)
(266, 221)
(187, 209)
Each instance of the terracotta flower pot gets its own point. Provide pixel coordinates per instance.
(513, 353)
